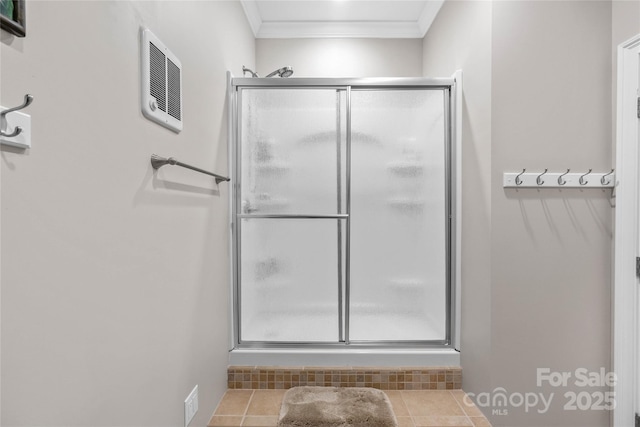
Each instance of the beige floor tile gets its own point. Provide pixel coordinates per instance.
(266, 402)
(427, 403)
(480, 422)
(471, 410)
(234, 402)
(442, 421)
(424, 408)
(467, 405)
(405, 422)
(399, 408)
(260, 421)
(225, 421)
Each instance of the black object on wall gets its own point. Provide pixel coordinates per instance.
(13, 17)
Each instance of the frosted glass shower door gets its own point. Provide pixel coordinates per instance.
(290, 208)
(399, 229)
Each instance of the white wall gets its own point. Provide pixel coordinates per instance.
(460, 38)
(537, 277)
(625, 18)
(551, 250)
(341, 57)
(115, 278)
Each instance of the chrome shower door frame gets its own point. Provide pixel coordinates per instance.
(451, 86)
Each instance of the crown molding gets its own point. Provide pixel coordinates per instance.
(344, 29)
(340, 29)
(253, 15)
(428, 15)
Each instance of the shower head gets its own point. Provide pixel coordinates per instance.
(245, 69)
(282, 72)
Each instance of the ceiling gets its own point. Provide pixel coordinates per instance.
(340, 18)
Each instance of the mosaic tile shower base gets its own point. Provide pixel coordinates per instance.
(405, 378)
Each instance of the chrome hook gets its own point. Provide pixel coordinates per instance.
(17, 131)
(518, 180)
(539, 181)
(28, 99)
(582, 180)
(562, 181)
(602, 181)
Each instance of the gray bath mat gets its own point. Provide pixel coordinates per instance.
(336, 407)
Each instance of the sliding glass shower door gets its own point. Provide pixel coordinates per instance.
(398, 286)
(342, 212)
(291, 211)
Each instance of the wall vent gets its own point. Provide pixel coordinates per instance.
(161, 83)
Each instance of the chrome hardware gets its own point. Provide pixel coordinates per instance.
(562, 181)
(28, 99)
(157, 162)
(607, 182)
(539, 180)
(582, 181)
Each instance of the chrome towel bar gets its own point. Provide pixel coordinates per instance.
(157, 162)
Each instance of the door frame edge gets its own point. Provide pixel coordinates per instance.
(625, 293)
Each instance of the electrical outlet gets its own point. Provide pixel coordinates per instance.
(191, 406)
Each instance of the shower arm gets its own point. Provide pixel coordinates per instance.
(283, 72)
(245, 70)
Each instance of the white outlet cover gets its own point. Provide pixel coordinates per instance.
(190, 406)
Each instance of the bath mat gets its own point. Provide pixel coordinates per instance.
(336, 407)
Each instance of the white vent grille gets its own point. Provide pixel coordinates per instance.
(157, 76)
(173, 79)
(161, 83)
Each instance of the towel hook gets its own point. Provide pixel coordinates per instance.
(518, 180)
(582, 181)
(562, 181)
(539, 180)
(28, 99)
(602, 181)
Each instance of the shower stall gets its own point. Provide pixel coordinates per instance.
(344, 216)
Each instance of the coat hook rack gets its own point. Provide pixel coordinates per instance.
(28, 99)
(568, 179)
(157, 162)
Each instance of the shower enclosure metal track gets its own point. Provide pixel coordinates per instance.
(344, 83)
(343, 220)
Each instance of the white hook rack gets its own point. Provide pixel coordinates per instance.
(568, 179)
(15, 127)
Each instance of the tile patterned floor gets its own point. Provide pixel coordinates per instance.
(413, 408)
